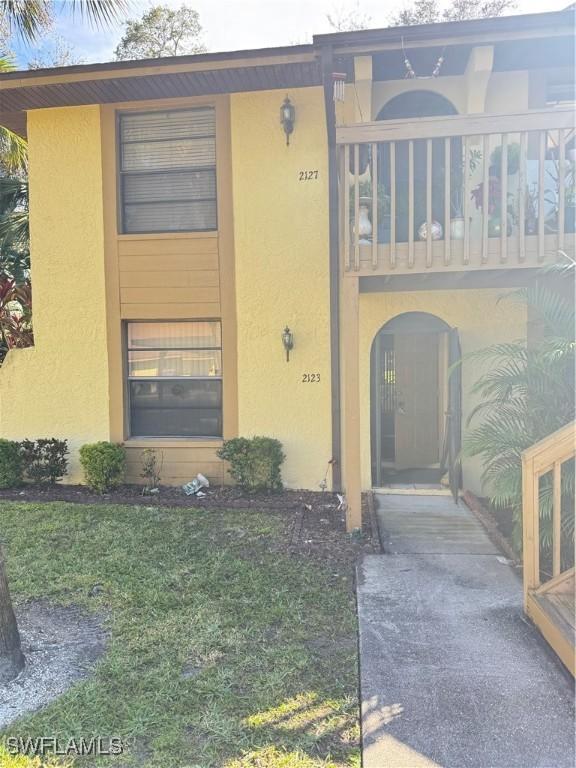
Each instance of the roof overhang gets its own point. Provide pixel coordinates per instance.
(165, 78)
(238, 71)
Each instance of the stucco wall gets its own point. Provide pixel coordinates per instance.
(60, 387)
(281, 244)
(480, 319)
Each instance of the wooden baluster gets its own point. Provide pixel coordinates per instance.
(393, 204)
(531, 527)
(504, 198)
(428, 202)
(562, 186)
(447, 200)
(410, 203)
(522, 198)
(485, 196)
(556, 517)
(356, 207)
(346, 205)
(466, 204)
(541, 182)
(374, 172)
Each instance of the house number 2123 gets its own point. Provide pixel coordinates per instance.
(310, 378)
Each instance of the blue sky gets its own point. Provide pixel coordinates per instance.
(237, 24)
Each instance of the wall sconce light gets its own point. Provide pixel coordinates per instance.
(287, 341)
(287, 118)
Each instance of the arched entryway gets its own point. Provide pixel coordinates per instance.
(414, 403)
(413, 105)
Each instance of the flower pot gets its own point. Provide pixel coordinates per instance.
(364, 224)
(457, 228)
(435, 229)
(495, 227)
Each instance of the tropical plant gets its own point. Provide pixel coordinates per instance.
(14, 228)
(15, 315)
(13, 148)
(526, 394)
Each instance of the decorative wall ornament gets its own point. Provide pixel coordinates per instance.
(411, 74)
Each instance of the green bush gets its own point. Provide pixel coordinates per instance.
(10, 464)
(254, 463)
(103, 465)
(44, 460)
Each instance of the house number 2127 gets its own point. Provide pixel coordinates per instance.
(307, 175)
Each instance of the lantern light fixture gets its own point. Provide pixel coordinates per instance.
(287, 342)
(287, 118)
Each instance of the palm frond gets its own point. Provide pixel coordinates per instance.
(100, 13)
(13, 151)
(26, 18)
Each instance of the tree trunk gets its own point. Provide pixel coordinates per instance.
(11, 656)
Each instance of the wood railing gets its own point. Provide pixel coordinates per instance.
(549, 568)
(457, 192)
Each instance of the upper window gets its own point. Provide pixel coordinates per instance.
(168, 171)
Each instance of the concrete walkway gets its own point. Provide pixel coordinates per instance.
(451, 673)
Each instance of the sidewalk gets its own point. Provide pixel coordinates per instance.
(451, 673)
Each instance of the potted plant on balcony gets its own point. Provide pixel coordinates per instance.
(495, 213)
(457, 191)
(365, 217)
(457, 213)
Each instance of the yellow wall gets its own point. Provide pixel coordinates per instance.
(60, 387)
(281, 244)
(480, 319)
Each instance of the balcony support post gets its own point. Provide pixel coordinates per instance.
(351, 400)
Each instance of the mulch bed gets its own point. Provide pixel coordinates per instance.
(498, 527)
(316, 526)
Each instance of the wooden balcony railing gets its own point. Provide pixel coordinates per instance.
(548, 539)
(457, 192)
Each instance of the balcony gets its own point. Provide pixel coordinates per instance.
(457, 193)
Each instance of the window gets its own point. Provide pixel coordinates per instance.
(168, 171)
(175, 379)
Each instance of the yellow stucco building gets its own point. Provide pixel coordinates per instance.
(180, 221)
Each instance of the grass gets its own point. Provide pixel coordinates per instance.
(224, 650)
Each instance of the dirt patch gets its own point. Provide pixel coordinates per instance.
(315, 521)
(61, 645)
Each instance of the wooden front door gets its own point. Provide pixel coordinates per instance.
(417, 395)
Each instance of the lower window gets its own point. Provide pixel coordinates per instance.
(175, 379)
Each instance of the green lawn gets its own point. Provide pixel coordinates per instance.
(271, 637)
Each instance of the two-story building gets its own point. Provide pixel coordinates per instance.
(376, 192)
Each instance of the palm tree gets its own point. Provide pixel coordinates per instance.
(13, 148)
(14, 228)
(11, 656)
(528, 393)
(27, 18)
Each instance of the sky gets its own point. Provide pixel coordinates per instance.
(237, 24)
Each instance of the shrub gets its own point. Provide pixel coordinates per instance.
(44, 460)
(10, 464)
(103, 465)
(254, 463)
(152, 463)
